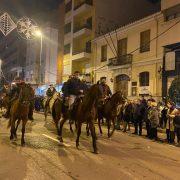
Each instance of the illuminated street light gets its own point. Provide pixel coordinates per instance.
(38, 33)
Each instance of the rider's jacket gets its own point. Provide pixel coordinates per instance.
(50, 92)
(73, 87)
(14, 92)
(106, 91)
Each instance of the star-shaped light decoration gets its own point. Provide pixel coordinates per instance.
(7, 25)
(26, 28)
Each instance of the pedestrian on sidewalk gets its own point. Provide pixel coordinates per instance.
(153, 116)
(177, 123)
(170, 129)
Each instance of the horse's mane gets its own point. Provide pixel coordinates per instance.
(90, 98)
(116, 97)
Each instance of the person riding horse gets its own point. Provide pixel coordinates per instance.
(49, 93)
(13, 94)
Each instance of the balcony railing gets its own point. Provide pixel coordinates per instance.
(87, 49)
(89, 2)
(121, 60)
(78, 28)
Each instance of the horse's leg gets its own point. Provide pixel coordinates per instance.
(24, 121)
(93, 134)
(18, 122)
(99, 124)
(60, 129)
(109, 126)
(79, 124)
(12, 128)
(45, 113)
(56, 124)
(87, 129)
(71, 129)
(113, 121)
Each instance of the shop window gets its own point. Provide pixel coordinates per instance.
(145, 41)
(144, 79)
(103, 53)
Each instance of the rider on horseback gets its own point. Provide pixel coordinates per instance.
(49, 93)
(105, 88)
(14, 92)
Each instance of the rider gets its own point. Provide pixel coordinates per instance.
(106, 91)
(73, 88)
(14, 92)
(50, 92)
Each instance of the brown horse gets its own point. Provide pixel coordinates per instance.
(86, 111)
(110, 111)
(19, 111)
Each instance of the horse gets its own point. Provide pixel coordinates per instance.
(19, 112)
(58, 110)
(86, 111)
(110, 111)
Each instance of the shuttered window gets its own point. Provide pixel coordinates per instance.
(68, 6)
(122, 47)
(67, 28)
(103, 53)
(67, 49)
(145, 41)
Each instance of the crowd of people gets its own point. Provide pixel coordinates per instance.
(142, 113)
(152, 116)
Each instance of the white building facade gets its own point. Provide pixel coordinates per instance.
(131, 58)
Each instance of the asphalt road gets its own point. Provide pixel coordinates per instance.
(124, 156)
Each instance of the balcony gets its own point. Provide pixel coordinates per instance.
(120, 61)
(82, 54)
(83, 6)
(84, 30)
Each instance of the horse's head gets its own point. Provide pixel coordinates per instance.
(118, 98)
(96, 92)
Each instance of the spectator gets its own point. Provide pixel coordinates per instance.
(170, 129)
(153, 117)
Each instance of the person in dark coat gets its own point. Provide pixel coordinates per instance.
(139, 117)
(127, 115)
(153, 117)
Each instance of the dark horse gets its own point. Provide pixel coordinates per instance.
(86, 111)
(110, 111)
(19, 111)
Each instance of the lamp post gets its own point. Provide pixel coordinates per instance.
(39, 34)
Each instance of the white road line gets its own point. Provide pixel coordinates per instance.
(56, 140)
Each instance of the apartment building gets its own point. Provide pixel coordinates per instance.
(87, 19)
(44, 72)
(134, 58)
(12, 54)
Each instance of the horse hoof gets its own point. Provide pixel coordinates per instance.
(22, 144)
(60, 139)
(96, 152)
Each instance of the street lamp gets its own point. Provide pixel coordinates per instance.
(39, 34)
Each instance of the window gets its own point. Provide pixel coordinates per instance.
(67, 28)
(103, 53)
(68, 6)
(145, 41)
(122, 47)
(67, 48)
(144, 79)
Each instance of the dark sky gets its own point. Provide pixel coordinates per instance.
(31, 8)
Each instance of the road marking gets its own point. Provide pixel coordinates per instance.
(56, 140)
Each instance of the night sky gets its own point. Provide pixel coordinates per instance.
(30, 8)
